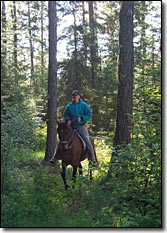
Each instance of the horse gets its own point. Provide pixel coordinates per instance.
(71, 150)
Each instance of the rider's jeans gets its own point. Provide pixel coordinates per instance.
(83, 131)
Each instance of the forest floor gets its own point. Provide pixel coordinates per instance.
(36, 196)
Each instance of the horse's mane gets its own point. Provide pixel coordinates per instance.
(63, 125)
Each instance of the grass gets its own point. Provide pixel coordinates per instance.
(34, 195)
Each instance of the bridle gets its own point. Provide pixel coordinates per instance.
(70, 140)
(65, 142)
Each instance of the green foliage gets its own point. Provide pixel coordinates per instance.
(135, 182)
(135, 170)
(126, 196)
(126, 189)
(125, 192)
(17, 137)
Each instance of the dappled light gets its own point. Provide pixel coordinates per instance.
(81, 114)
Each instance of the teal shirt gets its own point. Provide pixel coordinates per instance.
(73, 111)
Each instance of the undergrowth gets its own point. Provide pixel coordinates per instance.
(125, 190)
(35, 196)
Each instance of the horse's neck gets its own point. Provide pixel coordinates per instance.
(73, 132)
(74, 135)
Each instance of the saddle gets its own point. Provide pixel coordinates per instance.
(83, 145)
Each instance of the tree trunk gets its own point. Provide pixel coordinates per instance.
(143, 51)
(4, 44)
(125, 75)
(76, 74)
(30, 41)
(93, 50)
(153, 61)
(15, 39)
(15, 34)
(84, 35)
(52, 83)
(42, 53)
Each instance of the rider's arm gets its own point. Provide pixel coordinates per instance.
(87, 113)
(67, 114)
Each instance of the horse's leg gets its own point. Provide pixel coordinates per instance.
(91, 177)
(74, 175)
(80, 169)
(63, 175)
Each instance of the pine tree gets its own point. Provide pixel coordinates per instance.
(15, 37)
(3, 44)
(30, 42)
(94, 62)
(52, 83)
(125, 75)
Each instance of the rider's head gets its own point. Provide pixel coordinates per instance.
(76, 96)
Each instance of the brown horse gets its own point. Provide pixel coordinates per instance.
(71, 150)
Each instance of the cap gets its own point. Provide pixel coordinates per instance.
(75, 92)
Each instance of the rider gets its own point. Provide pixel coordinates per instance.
(78, 113)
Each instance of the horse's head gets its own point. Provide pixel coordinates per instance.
(64, 131)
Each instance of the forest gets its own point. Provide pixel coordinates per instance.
(111, 52)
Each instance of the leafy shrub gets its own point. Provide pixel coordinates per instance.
(135, 171)
(17, 137)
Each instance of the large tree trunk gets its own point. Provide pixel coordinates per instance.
(125, 75)
(94, 59)
(52, 83)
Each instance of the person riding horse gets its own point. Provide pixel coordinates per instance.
(77, 113)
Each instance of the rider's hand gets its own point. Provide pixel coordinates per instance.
(69, 122)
